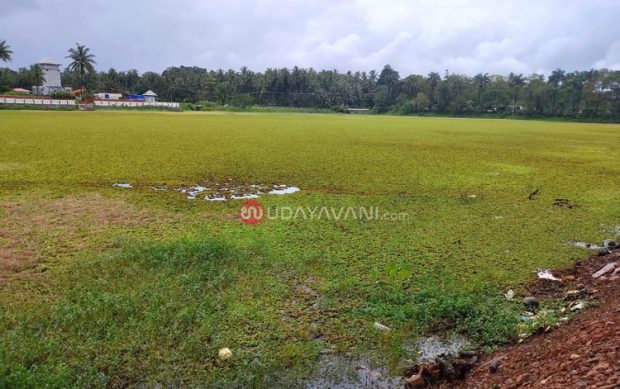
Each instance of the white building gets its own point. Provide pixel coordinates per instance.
(108, 96)
(150, 96)
(51, 77)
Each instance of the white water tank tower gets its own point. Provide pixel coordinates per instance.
(51, 77)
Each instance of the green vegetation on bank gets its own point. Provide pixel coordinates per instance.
(142, 286)
(592, 95)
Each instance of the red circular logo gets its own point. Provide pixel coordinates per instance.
(251, 212)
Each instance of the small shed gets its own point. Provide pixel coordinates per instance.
(108, 96)
(150, 96)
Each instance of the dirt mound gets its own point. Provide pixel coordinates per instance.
(583, 353)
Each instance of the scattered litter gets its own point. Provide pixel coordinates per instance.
(417, 380)
(224, 353)
(572, 293)
(472, 196)
(545, 274)
(445, 367)
(381, 327)
(577, 306)
(193, 191)
(509, 295)
(122, 185)
(229, 190)
(603, 252)
(609, 244)
(530, 302)
(606, 269)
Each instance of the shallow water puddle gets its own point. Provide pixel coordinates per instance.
(341, 372)
(232, 191)
(222, 191)
(431, 347)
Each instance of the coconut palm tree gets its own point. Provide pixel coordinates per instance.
(557, 77)
(433, 80)
(5, 52)
(516, 82)
(481, 81)
(83, 61)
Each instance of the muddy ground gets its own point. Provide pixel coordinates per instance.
(583, 353)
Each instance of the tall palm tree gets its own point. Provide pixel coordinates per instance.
(5, 51)
(516, 82)
(557, 77)
(481, 81)
(433, 79)
(83, 61)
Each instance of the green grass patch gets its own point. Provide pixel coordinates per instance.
(156, 308)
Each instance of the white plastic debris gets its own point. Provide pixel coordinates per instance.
(545, 274)
(381, 327)
(122, 185)
(577, 307)
(287, 190)
(224, 353)
(606, 269)
(585, 245)
(215, 198)
(510, 294)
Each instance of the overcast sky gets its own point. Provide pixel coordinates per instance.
(463, 36)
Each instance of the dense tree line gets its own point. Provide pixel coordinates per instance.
(592, 93)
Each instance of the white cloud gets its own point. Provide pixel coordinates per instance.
(464, 36)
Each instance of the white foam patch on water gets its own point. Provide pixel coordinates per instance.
(286, 190)
(123, 185)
